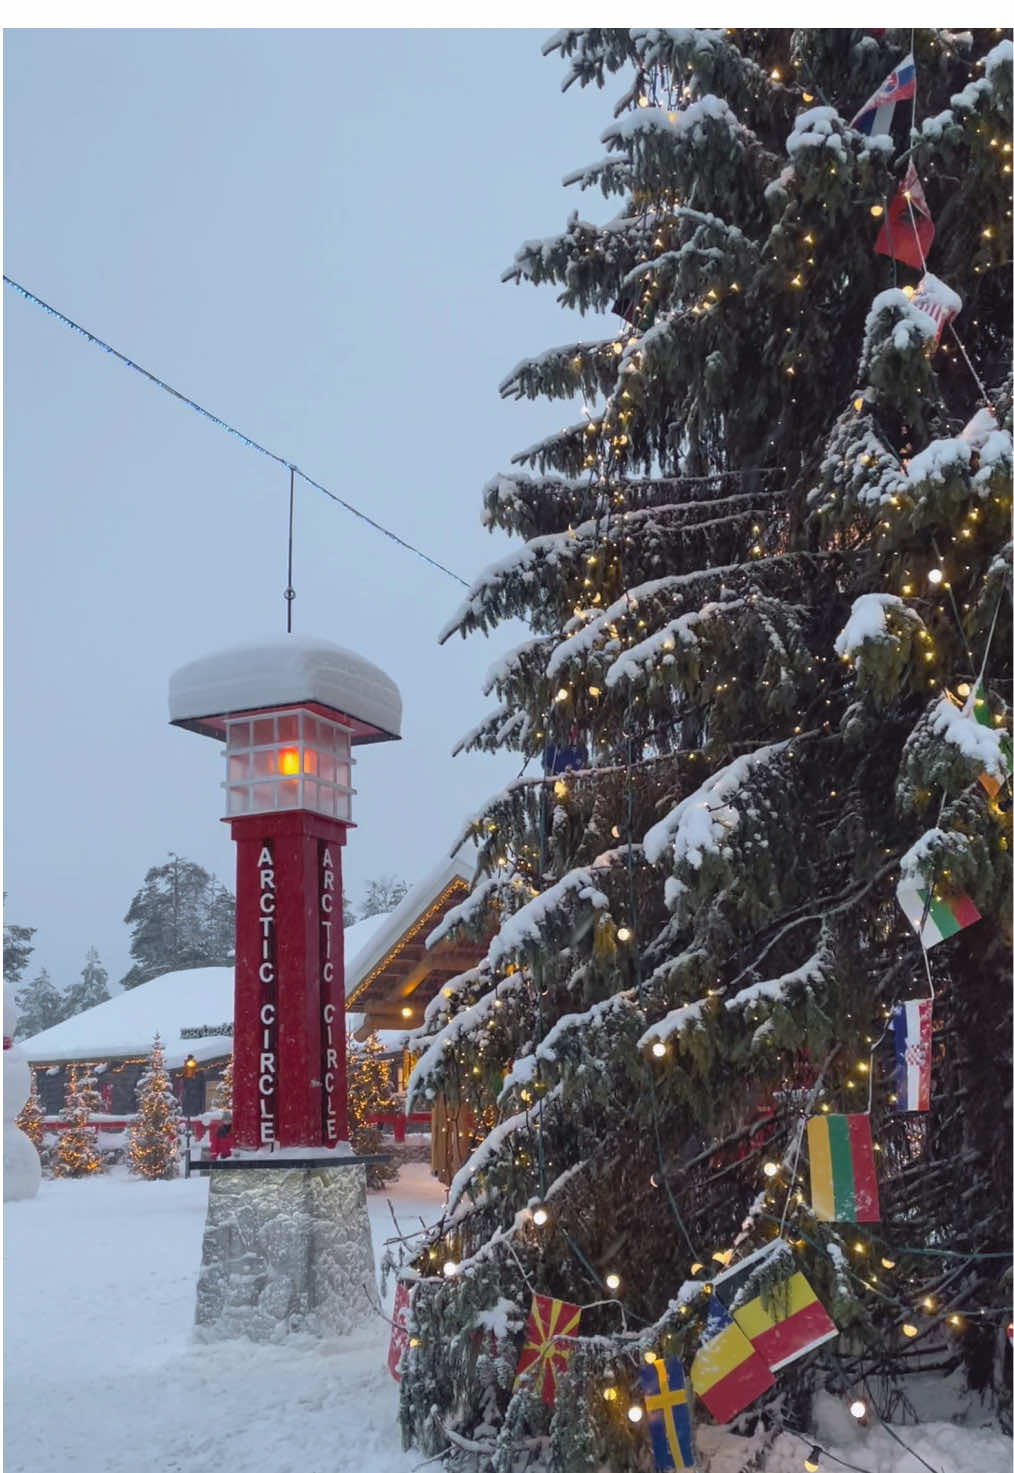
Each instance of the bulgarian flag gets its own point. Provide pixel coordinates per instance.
(782, 1320)
(935, 915)
(843, 1182)
(727, 1373)
(912, 1024)
(547, 1347)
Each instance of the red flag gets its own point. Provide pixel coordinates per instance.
(547, 1347)
(399, 1334)
(907, 232)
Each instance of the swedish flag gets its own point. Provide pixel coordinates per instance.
(665, 1400)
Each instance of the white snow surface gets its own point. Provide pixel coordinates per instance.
(101, 1374)
(285, 670)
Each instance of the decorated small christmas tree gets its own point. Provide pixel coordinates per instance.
(153, 1137)
(31, 1116)
(77, 1152)
(223, 1090)
(369, 1085)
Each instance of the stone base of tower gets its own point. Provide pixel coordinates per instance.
(286, 1251)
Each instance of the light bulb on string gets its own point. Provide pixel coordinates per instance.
(635, 1412)
(812, 1460)
(857, 1409)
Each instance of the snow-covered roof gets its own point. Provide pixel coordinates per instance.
(285, 670)
(460, 866)
(124, 1026)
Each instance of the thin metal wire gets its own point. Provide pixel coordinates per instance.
(230, 429)
(290, 592)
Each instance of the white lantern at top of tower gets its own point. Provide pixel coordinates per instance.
(289, 709)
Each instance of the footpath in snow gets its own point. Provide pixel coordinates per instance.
(101, 1376)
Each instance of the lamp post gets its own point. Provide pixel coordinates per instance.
(189, 1070)
(289, 711)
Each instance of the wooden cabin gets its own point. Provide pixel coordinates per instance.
(390, 981)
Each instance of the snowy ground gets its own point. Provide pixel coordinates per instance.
(101, 1377)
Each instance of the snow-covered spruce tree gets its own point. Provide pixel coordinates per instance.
(153, 1137)
(754, 574)
(76, 1152)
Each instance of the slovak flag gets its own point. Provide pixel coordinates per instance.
(876, 115)
(912, 1023)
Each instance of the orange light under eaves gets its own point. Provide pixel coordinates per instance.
(288, 761)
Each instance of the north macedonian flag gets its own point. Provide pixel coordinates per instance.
(783, 1318)
(727, 1373)
(551, 1325)
(665, 1401)
(843, 1180)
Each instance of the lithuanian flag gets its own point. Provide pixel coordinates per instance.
(727, 1373)
(783, 1319)
(843, 1181)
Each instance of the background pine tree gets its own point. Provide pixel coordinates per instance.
(41, 1005)
(76, 1152)
(751, 572)
(93, 987)
(182, 917)
(153, 1137)
(18, 948)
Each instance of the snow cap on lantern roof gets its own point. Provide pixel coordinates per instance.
(285, 670)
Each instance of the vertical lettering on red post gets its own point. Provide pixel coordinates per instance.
(267, 997)
(332, 1069)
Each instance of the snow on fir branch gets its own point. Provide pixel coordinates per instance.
(817, 968)
(451, 991)
(631, 129)
(919, 863)
(982, 746)
(699, 824)
(869, 623)
(585, 1024)
(635, 662)
(526, 929)
(483, 1155)
(585, 640)
(815, 129)
(912, 327)
(465, 1026)
(504, 887)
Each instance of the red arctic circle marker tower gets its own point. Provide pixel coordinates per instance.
(289, 710)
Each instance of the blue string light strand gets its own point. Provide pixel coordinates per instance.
(229, 429)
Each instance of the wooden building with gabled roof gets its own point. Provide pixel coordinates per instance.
(394, 976)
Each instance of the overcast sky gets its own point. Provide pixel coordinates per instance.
(304, 231)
